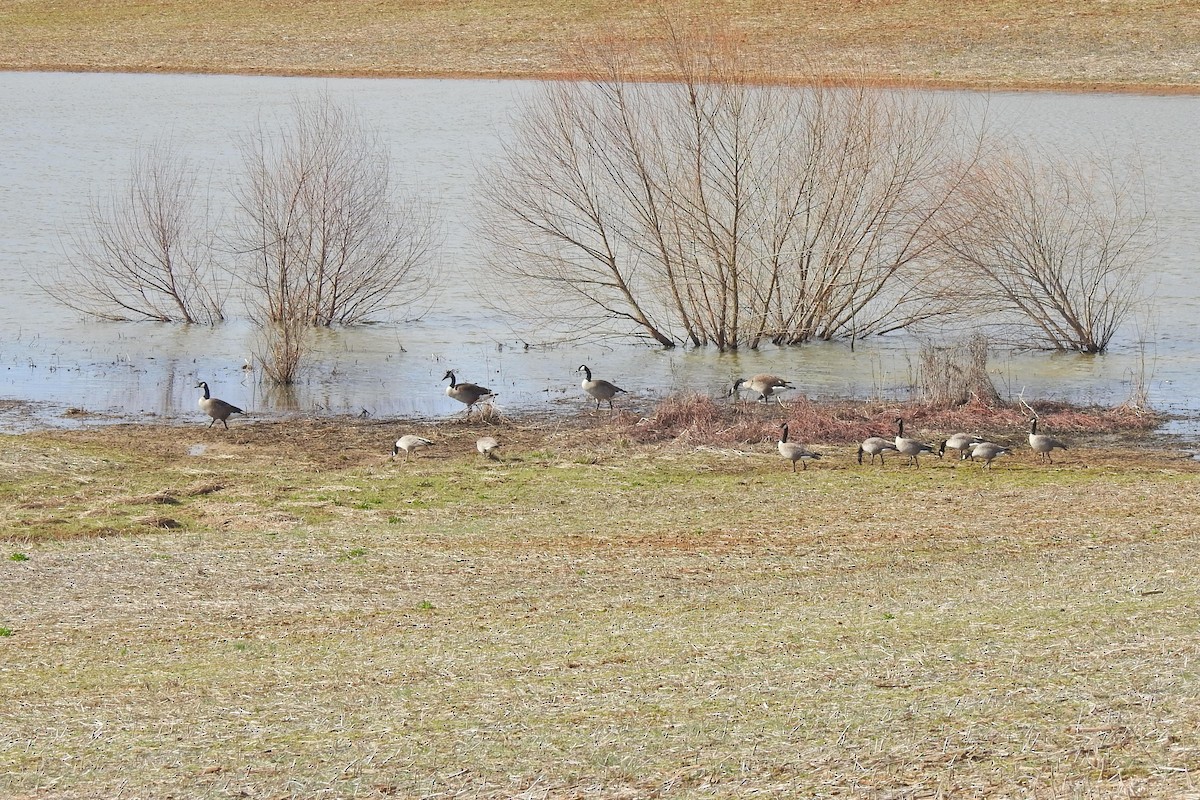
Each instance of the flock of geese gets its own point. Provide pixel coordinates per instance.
(968, 446)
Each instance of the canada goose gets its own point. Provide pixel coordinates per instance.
(962, 442)
(874, 446)
(910, 447)
(467, 393)
(762, 383)
(794, 452)
(987, 452)
(408, 444)
(598, 389)
(217, 409)
(1041, 443)
(487, 446)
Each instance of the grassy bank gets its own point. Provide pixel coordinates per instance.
(280, 610)
(1075, 44)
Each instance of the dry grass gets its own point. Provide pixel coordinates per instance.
(1075, 44)
(593, 617)
(697, 419)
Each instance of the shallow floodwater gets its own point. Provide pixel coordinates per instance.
(64, 137)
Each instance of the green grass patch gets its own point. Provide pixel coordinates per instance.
(705, 621)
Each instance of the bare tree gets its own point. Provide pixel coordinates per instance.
(145, 252)
(326, 236)
(713, 211)
(1055, 247)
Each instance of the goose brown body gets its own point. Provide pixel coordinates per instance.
(217, 409)
(487, 446)
(962, 442)
(466, 393)
(792, 451)
(1041, 443)
(910, 447)
(597, 389)
(987, 452)
(409, 444)
(874, 446)
(763, 383)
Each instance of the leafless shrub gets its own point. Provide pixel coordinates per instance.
(713, 211)
(282, 346)
(1053, 248)
(1140, 376)
(323, 234)
(144, 252)
(953, 375)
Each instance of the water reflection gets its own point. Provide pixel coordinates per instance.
(67, 136)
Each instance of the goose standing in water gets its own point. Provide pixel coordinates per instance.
(764, 384)
(217, 409)
(874, 446)
(408, 444)
(962, 442)
(598, 389)
(1041, 443)
(466, 393)
(910, 447)
(794, 452)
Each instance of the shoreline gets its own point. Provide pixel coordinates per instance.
(699, 419)
(878, 82)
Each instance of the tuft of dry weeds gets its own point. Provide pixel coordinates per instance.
(696, 419)
(956, 374)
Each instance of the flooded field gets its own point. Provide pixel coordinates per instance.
(66, 138)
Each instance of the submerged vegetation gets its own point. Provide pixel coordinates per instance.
(319, 234)
(713, 211)
(145, 252)
(716, 211)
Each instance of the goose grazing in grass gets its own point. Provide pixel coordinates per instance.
(409, 444)
(910, 447)
(764, 384)
(466, 393)
(217, 409)
(598, 389)
(962, 442)
(1041, 443)
(987, 452)
(794, 452)
(874, 446)
(487, 446)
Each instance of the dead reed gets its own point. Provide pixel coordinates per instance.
(955, 374)
(697, 419)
